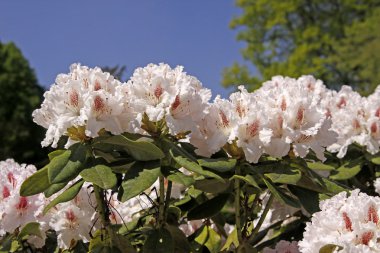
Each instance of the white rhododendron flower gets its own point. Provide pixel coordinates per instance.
(283, 247)
(165, 93)
(83, 98)
(295, 115)
(376, 184)
(351, 222)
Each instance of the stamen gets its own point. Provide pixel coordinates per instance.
(22, 204)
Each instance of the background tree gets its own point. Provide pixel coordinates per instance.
(334, 40)
(20, 94)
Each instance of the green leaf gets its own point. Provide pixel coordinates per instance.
(32, 228)
(319, 166)
(309, 199)
(346, 171)
(67, 195)
(67, 165)
(36, 183)
(194, 167)
(280, 194)
(100, 175)
(159, 241)
(140, 150)
(56, 153)
(282, 177)
(232, 239)
(330, 248)
(54, 188)
(219, 164)
(142, 179)
(208, 208)
(180, 178)
(211, 185)
(209, 238)
(249, 179)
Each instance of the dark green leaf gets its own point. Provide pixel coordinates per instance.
(181, 244)
(67, 195)
(100, 175)
(211, 185)
(140, 150)
(36, 183)
(159, 241)
(142, 179)
(208, 208)
(309, 199)
(280, 194)
(56, 153)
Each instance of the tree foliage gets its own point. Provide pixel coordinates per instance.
(333, 40)
(20, 95)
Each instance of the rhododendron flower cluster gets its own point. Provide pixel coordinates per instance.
(351, 222)
(15, 210)
(284, 115)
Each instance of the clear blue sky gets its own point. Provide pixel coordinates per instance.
(54, 34)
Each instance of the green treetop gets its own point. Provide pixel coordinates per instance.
(20, 94)
(334, 40)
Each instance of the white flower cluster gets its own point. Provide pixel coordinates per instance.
(15, 210)
(283, 247)
(73, 221)
(351, 222)
(284, 115)
(356, 119)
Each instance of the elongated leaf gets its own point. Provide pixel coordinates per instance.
(181, 244)
(248, 179)
(143, 178)
(179, 178)
(54, 188)
(100, 175)
(346, 171)
(32, 228)
(309, 199)
(211, 185)
(232, 239)
(159, 241)
(208, 208)
(140, 150)
(68, 165)
(67, 195)
(290, 177)
(36, 183)
(194, 167)
(219, 165)
(319, 166)
(280, 195)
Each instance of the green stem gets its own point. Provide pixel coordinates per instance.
(237, 206)
(102, 207)
(262, 218)
(161, 203)
(167, 197)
